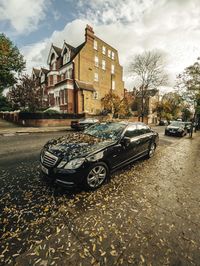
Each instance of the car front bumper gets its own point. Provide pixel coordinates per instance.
(174, 133)
(63, 177)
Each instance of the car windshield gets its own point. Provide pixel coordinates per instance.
(106, 130)
(176, 124)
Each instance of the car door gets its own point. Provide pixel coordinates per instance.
(125, 152)
(145, 137)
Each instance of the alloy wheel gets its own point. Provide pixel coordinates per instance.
(96, 176)
(152, 150)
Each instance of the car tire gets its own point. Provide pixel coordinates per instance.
(97, 175)
(152, 149)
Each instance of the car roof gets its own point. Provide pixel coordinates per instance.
(127, 123)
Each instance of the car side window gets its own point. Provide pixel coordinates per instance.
(131, 131)
(143, 129)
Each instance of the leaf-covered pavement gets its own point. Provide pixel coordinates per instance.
(147, 215)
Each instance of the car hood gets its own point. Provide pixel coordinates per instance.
(76, 145)
(172, 127)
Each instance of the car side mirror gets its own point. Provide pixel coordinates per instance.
(125, 141)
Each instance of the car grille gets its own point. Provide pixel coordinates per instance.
(49, 159)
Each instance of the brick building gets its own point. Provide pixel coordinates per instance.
(78, 78)
(41, 85)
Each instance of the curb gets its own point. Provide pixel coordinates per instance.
(12, 133)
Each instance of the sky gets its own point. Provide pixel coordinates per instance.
(131, 26)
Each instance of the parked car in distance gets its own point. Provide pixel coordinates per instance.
(86, 158)
(163, 123)
(176, 128)
(83, 123)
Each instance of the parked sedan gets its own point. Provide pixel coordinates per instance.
(83, 123)
(176, 128)
(87, 158)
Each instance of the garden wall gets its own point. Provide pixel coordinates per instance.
(54, 120)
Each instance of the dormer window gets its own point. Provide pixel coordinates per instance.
(54, 66)
(42, 77)
(66, 58)
(52, 62)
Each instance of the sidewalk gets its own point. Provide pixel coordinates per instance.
(8, 128)
(147, 215)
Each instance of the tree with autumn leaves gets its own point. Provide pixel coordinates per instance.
(23, 95)
(114, 105)
(11, 65)
(188, 83)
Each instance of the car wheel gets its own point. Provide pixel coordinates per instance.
(152, 149)
(96, 176)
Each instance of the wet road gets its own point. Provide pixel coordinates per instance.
(152, 216)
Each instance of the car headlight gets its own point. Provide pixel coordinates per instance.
(73, 164)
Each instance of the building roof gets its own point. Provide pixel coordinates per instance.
(57, 49)
(36, 71)
(85, 86)
(77, 50)
(44, 70)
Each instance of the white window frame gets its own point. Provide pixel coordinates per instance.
(112, 55)
(54, 65)
(65, 96)
(96, 76)
(112, 69)
(66, 58)
(113, 85)
(103, 49)
(96, 61)
(42, 77)
(95, 45)
(109, 53)
(104, 64)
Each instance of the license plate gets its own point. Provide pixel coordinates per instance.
(44, 169)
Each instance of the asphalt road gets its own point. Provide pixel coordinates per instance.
(18, 146)
(32, 210)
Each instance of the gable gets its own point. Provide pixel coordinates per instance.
(51, 52)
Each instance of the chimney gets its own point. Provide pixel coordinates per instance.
(89, 33)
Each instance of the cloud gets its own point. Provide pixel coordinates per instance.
(23, 15)
(132, 27)
(36, 54)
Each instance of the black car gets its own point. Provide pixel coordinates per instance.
(86, 158)
(176, 128)
(163, 123)
(83, 123)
